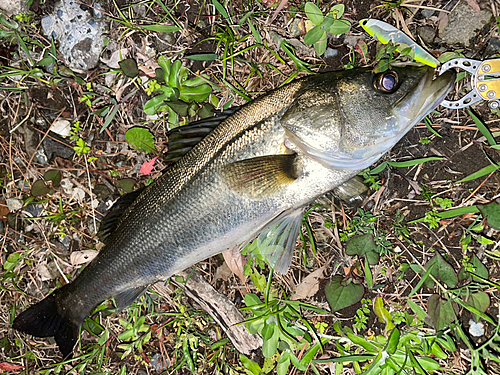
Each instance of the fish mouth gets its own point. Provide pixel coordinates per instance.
(422, 100)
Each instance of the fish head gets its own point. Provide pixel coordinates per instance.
(349, 119)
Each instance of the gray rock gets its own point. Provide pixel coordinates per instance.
(464, 24)
(427, 33)
(295, 30)
(492, 48)
(352, 40)
(14, 204)
(41, 157)
(330, 53)
(34, 210)
(158, 364)
(53, 148)
(14, 6)
(80, 33)
(66, 241)
(427, 12)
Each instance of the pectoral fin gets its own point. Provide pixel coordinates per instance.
(276, 242)
(261, 176)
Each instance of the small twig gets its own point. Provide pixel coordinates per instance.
(22, 121)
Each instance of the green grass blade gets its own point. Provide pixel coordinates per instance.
(161, 28)
(220, 8)
(480, 173)
(411, 163)
(431, 129)
(482, 128)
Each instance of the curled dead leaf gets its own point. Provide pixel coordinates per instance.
(81, 257)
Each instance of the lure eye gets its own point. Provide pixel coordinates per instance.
(386, 82)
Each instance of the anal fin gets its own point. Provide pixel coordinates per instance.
(277, 241)
(126, 297)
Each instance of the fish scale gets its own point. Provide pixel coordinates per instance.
(251, 176)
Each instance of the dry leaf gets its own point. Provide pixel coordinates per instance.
(474, 5)
(223, 272)
(81, 257)
(115, 58)
(309, 286)
(235, 261)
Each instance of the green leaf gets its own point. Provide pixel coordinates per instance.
(127, 184)
(421, 314)
(197, 94)
(165, 65)
(343, 293)
(129, 67)
(479, 268)
(313, 13)
(382, 66)
(152, 106)
(252, 299)
(337, 10)
(180, 107)
(206, 111)
(314, 35)
(491, 211)
(203, 57)
(479, 300)
(250, 365)
(220, 8)
(320, 47)
(441, 312)
(175, 70)
(140, 139)
(364, 246)
(393, 341)
(39, 188)
(382, 313)
(54, 176)
(442, 271)
(161, 28)
(270, 345)
(339, 27)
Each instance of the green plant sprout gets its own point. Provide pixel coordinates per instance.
(331, 23)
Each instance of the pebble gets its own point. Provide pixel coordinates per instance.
(476, 329)
(41, 157)
(330, 53)
(66, 241)
(35, 210)
(14, 204)
(427, 13)
(427, 33)
(158, 364)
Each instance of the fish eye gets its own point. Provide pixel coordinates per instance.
(386, 82)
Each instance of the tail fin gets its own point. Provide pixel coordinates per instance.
(44, 319)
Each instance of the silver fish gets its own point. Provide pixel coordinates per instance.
(251, 176)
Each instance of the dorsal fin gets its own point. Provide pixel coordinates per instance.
(116, 213)
(184, 138)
